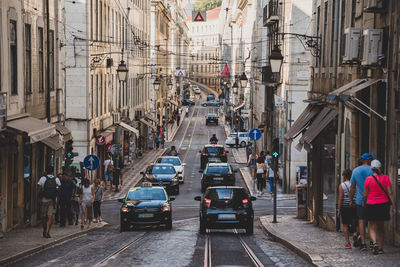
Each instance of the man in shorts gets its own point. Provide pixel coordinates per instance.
(357, 181)
(108, 174)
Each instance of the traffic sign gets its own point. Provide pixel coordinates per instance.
(91, 162)
(180, 73)
(255, 134)
(199, 16)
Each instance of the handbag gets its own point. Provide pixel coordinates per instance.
(380, 185)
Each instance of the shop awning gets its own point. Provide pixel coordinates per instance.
(148, 116)
(36, 129)
(53, 142)
(148, 124)
(239, 106)
(302, 121)
(64, 131)
(334, 94)
(173, 102)
(129, 128)
(359, 87)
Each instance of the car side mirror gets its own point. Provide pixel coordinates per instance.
(142, 173)
(235, 171)
(253, 198)
(121, 200)
(171, 198)
(183, 164)
(199, 151)
(197, 198)
(179, 172)
(200, 171)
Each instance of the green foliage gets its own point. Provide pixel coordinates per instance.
(207, 4)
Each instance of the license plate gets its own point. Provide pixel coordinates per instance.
(146, 215)
(213, 159)
(218, 178)
(226, 216)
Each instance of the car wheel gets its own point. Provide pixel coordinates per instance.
(230, 145)
(168, 224)
(202, 229)
(206, 123)
(177, 190)
(243, 144)
(250, 228)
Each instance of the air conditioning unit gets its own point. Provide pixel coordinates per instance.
(372, 52)
(116, 118)
(352, 45)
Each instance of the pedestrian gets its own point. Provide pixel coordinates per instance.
(268, 159)
(378, 197)
(1, 217)
(262, 155)
(87, 200)
(158, 138)
(249, 150)
(98, 198)
(172, 151)
(67, 190)
(48, 190)
(261, 169)
(252, 163)
(162, 141)
(75, 201)
(271, 178)
(357, 181)
(57, 215)
(346, 212)
(178, 117)
(108, 171)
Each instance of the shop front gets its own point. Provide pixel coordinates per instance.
(130, 135)
(103, 145)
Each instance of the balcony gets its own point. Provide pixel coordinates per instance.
(270, 13)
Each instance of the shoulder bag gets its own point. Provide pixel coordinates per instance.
(380, 185)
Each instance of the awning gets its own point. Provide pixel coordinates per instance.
(359, 87)
(148, 124)
(332, 95)
(173, 102)
(129, 128)
(148, 116)
(64, 131)
(302, 121)
(53, 142)
(239, 106)
(317, 126)
(36, 129)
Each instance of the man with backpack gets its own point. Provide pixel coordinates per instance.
(109, 171)
(48, 188)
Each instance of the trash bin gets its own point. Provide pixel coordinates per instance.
(301, 201)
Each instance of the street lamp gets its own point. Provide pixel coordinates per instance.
(243, 80)
(156, 84)
(169, 85)
(122, 71)
(275, 59)
(235, 88)
(228, 84)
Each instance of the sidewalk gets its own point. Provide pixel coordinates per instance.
(324, 248)
(20, 243)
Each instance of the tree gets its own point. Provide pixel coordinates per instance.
(207, 4)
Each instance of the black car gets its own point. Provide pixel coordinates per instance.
(210, 97)
(187, 102)
(162, 175)
(211, 118)
(146, 205)
(212, 153)
(212, 103)
(226, 207)
(217, 174)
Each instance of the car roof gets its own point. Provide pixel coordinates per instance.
(228, 187)
(218, 164)
(169, 157)
(161, 164)
(213, 145)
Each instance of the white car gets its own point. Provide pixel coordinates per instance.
(243, 139)
(197, 90)
(178, 165)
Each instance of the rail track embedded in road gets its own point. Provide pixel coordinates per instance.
(256, 261)
(207, 250)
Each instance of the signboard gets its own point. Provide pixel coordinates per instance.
(199, 16)
(278, 101)
(116, 149)
(3, 111)
(104, 139)
(255, 134)
(91, 162)
(180, 73)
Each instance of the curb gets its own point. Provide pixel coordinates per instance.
(312, 259)
(31, 251)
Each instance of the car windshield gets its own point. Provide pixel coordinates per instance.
(217, 170)
(212, 115)
(233, 135)
(173, 161)
(157, 169)
(214, 150)
(140, 194)
(235, 194)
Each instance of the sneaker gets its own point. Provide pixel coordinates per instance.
(371, 245)
(380, 251)
(356, 241)
(375, 249)
(348, 245)
(363, 247)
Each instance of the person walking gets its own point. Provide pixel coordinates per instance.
(345, 211)
(57, 216)
(98, 198)
(271, 178)
(249, 150)
(357, 181)
(48, 190)
(252, 163)
(87, 199)
(158, 138)
(108, 171)
(67, 188)
(75, 201)
(377, 198)
(261, 169)
(162, 141)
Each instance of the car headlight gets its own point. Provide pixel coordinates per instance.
(165, 208)
(174, 180)
(124, 209)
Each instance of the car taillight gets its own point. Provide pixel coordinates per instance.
(207, 202)
(204, 154)
(245, 201)
(224, 154)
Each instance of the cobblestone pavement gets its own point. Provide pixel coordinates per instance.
(322, 247)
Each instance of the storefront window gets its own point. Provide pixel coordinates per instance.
(27, 182)
(328, 180)
(347, 145)
(398, 179)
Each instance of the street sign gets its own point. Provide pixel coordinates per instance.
(199, 16)
(255, 134)
(116, 149)
(180, 73)
(91, 162)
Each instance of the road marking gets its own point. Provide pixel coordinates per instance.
(207, 250)
(187, 127)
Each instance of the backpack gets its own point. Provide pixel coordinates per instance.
(50, 188)
(110, 168)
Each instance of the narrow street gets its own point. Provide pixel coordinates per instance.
(183, 245)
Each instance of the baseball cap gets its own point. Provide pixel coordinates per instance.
(367, 156)
(375, 164)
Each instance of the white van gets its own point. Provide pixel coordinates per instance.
(243, 139)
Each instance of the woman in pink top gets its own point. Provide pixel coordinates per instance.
(377, 191)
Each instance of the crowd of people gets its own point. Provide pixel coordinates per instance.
(63, 200)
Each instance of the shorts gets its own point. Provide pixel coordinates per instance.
(48, 209)
(348, 215)
(378, 212)
(361, 212)
(108, 176)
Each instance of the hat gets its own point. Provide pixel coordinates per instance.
(375, 164)
(367, 156)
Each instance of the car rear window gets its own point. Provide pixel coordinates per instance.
(234, 194)
(218, 170)
(173, 161)
(214, 150)
(138, 194)
(162, 170)
(212, 115)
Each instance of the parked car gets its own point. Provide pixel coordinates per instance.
(212, 153)
(196, 89)
(243, 139)
(188, 102)
(211, 118)
(210, 97)
(162, 175)
(217, 174)
(212, 103)
(178, 165)
(145, 205)
(226, 207)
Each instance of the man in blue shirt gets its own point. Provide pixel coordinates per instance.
(357, 181)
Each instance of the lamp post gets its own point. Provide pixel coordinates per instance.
(243, 80)
(276, 59)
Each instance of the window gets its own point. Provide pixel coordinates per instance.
(40, 59)
(97, 19)
(13, 57)
(101, 94)
(325, 34)
(92, 93)
(318, 32)
(91, 19)
(28, 59)
(342, 27)
(51, 55)
(97, 95)
(332, 31)
(101, 21)
(353, 12)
